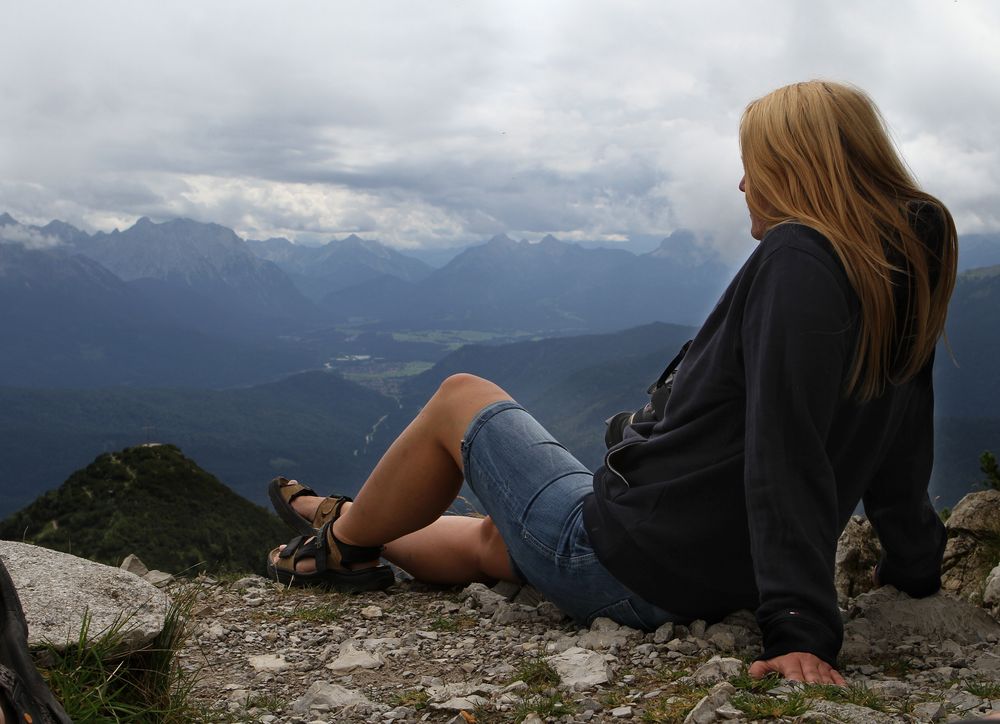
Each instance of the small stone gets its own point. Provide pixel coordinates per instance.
(704, 711)
(254, 601)
(664, 633)
(332, 696)
(158, 578)
(371, 612)
(716, 669)
(250, 582)
(580, 669)
(132, 564)
(429, 635)
(622, 712)
(486, 599)
(722, 640)
(351, 658)
(728, 711)
(269, 662)
(964, 701)
(697, 628)
(931, 711)
(458, 703)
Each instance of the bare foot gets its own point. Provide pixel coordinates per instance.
(304, 505)
(308, 565)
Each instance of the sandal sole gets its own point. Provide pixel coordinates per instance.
(369, 579)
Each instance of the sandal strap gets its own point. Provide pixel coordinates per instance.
(349, 554)
(293, 491)
(329, 509)
(291, 547)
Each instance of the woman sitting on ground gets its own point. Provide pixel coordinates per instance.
(807, 390)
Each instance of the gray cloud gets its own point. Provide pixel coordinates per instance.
(435, 123)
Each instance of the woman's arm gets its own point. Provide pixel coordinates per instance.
(797, 336)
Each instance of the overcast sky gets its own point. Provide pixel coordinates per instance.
(439, 123)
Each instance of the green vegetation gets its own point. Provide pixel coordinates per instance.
(983, 689)
(744, 682)
(315, 614)
(544, 706)
(383, 377)
(991, 469)
(415, 698)
(537, 674)
(857, 694)
(762, 706)
(540, 698)
(311, 426)
(444, 623)
(101, 681)
(156, 503)
(455, 338)
(265, 701)
(673, 706)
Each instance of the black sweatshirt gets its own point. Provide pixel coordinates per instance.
(737, 497)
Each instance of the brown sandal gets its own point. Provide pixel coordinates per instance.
(283, 491)
(333, 559)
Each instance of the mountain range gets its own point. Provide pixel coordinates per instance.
(339, 264)
(180, 332)
(549, 286)
(193, 304)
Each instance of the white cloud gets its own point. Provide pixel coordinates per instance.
(433, 123)
(26, 237)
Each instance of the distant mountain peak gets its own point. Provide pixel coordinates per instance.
(501, 240)
(135, 487)
(549, 239)
(6, 219)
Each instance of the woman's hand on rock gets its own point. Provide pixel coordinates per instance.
(798, 666)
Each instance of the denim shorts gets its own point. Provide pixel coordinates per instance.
(533, 489)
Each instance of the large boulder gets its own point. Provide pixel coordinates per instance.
(886, 615)
(858, 552)
(58, 591)
(973, 545)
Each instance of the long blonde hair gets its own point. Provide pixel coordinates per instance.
(819, 153)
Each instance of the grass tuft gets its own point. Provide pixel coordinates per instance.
(857, 694)
(414, 698)
(103, 681)
(264, 700)
(315, 614)
(983, 689)
(762, 706)
(744, 682)
(537, 674)
(544, 706)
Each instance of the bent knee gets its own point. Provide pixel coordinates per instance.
(469, 387)
(463, 383)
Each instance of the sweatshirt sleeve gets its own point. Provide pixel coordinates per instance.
(912, 535)
(797, 335)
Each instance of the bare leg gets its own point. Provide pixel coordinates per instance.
(416, 481)
(453, 549)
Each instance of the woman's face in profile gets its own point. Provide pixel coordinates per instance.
(757, 227)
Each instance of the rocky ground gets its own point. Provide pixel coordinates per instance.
(267, 654)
